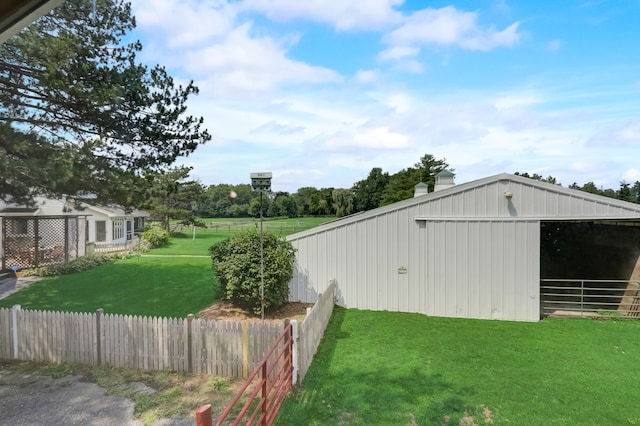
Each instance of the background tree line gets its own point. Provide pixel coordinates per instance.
(626, 192)
(173, 195)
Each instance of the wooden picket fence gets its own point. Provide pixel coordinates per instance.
(312, 329)
(222, 348)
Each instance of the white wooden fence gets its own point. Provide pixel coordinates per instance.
(128, 245)
(221, 348)
(313, 327)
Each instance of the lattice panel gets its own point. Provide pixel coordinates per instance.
(19, 242)
(51, 241)
(38, 241)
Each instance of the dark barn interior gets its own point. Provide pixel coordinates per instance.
(589, 267)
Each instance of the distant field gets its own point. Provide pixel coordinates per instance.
(282, 226)
(183, 241)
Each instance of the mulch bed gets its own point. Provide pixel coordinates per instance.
(225, 310)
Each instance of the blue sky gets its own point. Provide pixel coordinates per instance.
(320, 92)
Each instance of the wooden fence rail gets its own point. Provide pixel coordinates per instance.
(312, 329)
(222, 348)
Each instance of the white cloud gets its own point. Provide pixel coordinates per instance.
(631, 175)
(278, 128)
(413, 67)
(449, 26)
(366, 137)
(490, 39)
(366, 76)
(618, 134)
(183, 23)
(241, 62)
(398, 52)
(342, 15)
(399, 102)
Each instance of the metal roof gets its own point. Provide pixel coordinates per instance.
(457, 190)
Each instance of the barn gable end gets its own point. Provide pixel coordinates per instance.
(470, 251)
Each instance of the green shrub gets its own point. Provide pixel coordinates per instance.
(155, 237)
(236, 262)
(77, 265)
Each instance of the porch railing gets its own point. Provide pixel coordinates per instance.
(590, 298)
(128, 245)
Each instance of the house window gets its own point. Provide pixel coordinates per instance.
(101, 231)
(118, 229)
(138, 224)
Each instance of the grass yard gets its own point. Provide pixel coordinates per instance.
(183, 244)
(382, 368)
(171, 281)
(146, 286)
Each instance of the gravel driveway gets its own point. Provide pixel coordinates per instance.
(31, 399)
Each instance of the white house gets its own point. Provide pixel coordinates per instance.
(104, 224)
(111, 224)
(475, 250)
(54, 231)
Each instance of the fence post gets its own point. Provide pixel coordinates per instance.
(288, 335)
(99, 313)
(203, 416)
(14, 327)
(245, 350)
(294, 354)
(189, 343)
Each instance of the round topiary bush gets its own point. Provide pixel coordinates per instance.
(155, 237)
(236, 262)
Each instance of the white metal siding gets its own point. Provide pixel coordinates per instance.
(467, 251)
(468, 269)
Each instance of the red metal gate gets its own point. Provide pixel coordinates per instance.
(269, 384)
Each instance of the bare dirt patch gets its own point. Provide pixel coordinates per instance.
(225, 310)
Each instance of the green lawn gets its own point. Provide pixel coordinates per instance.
(147, 286)
(184, 244)
(382, 368)
(171, 281)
